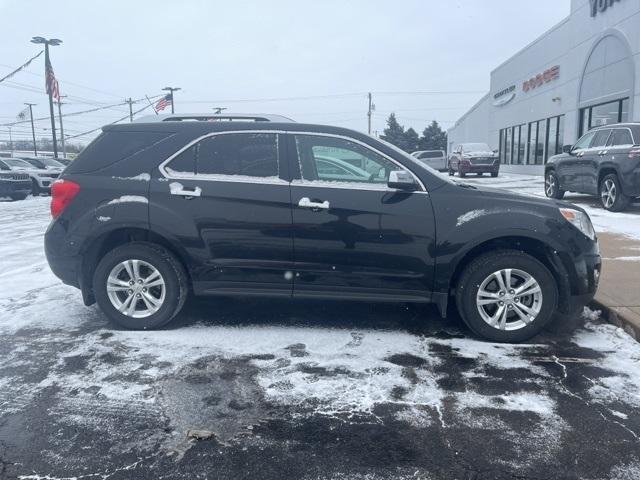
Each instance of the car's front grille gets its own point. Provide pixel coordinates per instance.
(14, 176)
(482, 161)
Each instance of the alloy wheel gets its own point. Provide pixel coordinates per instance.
(550, 185)
(509, 299)
(136, 288)
(608, 193)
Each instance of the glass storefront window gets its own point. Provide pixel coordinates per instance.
(533, 141)
(560, 134)
(604, 114)
(507, 147)
(552, 137)
(522, 148)
(624, 110)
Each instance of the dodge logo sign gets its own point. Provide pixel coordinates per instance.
(542, 78)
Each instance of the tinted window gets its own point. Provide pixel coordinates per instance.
(184, 162)
(357, 164)
(584, 141)
(3, 166)
(111, 147)
(247, 154)
(600, 139)
(620, 137)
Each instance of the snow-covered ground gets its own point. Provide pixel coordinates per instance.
(74, 390)
(626, 223)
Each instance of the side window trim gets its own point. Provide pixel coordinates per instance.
(355, 186)
(626, 145)
(222, 177)
(591, 146)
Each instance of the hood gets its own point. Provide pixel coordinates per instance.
(523, 199)
(32, 170)
(480, 153)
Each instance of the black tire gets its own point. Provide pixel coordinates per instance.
(479, 174)
(18, 196)
(494, 174)
(172, 271)
(35, 188)
(620, 202)
(552, 186)
(450, 170)
(462, 174)
(480, 269)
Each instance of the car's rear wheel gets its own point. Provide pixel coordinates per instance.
(140, 285)
(35, 188)
(462, 174)
(494, 174)
(506, 296)
(611, 195)
(552, 186)
(451, 171)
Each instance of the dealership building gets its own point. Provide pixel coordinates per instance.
(582, 73)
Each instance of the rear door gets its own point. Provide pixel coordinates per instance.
(225, 199)
(354, 237)
(589, 164)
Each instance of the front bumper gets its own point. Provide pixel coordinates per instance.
(478, 168)
(13, 187)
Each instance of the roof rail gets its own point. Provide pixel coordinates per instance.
(214, 117)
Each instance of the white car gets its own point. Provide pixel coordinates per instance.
(436, 159)
(41, 178)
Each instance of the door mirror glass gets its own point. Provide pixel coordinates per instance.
(402, 181)
(567, 148)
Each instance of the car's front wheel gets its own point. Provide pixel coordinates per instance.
(506, 296)
(552, 186)
(611, 195)
(18, 196)
(140, 285)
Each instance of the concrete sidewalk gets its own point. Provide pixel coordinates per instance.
(619, 290)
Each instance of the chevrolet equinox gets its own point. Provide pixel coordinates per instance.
(151, 211)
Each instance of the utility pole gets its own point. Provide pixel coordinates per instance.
(171, 90)
(50, 82)
(372, 107)
(130, 102)
(218, 110)
(10, 141)
(64, 148)
(33, 130)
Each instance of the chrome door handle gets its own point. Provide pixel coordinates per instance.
(305, 202)
(177, 189)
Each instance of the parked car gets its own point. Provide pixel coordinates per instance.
(45, 163)
(436, 159)
(148, 212)
(64, 161)
(14, 185)
(475, 158)
(605, 162)
(41, 179)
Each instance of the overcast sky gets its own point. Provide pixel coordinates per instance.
(224, 53)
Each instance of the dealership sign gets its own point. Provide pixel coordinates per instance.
(540, 79)
(600, 6)
(504, 96)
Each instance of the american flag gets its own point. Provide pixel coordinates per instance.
(51, 83)
(164, 102)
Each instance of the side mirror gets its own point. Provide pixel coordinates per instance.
(567, 148)
(402, 181)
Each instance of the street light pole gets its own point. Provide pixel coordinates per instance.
(33, 130)
(64, 148)
(173, 100)
(47, 72)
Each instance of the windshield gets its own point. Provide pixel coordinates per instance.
(475, 147)
(17, 163)
(50, 162)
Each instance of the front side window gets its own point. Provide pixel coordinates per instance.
(584, 141)
(600, 138)
(329, 159)
(620, 137)
(234, 154)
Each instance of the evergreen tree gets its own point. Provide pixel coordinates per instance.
(433, 138)
(412, 140)
(394, 133)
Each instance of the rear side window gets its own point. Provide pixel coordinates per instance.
(111, 147)
(236, 154)
(438, 154)
(620, 137)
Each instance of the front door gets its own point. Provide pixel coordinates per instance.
(589, 164)
(353, 236)
(569, 167)
(226, 200)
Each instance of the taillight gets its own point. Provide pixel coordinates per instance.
(62, 194)
(634, 153)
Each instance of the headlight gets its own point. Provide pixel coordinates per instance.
(580, 220)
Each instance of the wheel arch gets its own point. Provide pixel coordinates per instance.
(542, 251)
(605, 170)
(121, 235)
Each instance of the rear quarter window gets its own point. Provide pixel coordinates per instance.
(112, 147)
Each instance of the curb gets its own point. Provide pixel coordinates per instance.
(619, 319)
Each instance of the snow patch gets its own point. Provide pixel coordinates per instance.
(143, 177)
(467, 217)
(129, 199)
(104, 219)
(177, 188)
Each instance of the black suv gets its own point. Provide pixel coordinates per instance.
(475, 158)
(604, 162)
(151, 211)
